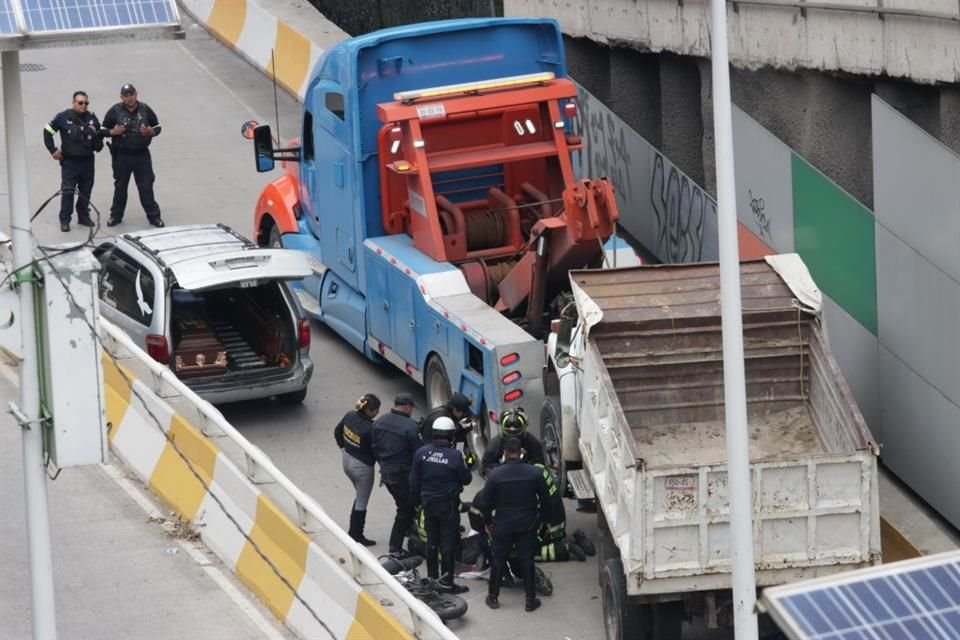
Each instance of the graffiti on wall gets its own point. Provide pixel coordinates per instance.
(660, 206)
(760, 218)
(605, 152)
(681, 208)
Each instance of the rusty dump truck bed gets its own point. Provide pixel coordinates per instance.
(652, 436)
(661, 345)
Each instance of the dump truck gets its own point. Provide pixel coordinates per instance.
(433, 190)
(637, 367)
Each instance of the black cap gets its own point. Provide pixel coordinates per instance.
(512, 445)
(459, 402)
(404, 399)
(127, 89)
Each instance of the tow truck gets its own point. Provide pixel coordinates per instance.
(432, 189)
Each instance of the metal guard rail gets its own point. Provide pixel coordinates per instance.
(420, 613)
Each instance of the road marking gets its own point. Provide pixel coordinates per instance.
(221, 83)
(268, 627)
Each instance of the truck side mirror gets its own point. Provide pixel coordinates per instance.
(263, 148)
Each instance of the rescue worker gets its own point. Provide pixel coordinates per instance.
(513, 424)
(515, 499)
(436, 481)
(79, 139)
(132, 125)
(553, 544)
(354, 436)
(457, 408)
(396, 438)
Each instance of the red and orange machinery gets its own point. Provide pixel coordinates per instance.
(480, 176)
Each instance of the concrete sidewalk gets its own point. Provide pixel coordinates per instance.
(120, 571)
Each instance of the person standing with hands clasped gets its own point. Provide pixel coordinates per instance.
(395, 439)
(515, 499)
(436, 481)
(354, 436)
(131, 126)
(79, 139)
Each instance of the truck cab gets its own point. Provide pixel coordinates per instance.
(436, 199)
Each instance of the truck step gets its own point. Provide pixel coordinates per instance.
(582, 486)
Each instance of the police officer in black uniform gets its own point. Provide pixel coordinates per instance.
(132, 125)
(457, 408)
(436, 481)
(513, 424)
(79, 140)
(396, 438)
(515, 500)
(354, 436)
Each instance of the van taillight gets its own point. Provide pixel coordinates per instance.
(157, 349)
(304, 333)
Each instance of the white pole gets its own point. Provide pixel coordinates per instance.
(734, 386)
(34, 474)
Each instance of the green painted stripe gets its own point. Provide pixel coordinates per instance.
(834, 234)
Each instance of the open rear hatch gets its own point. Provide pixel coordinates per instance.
(243, 268)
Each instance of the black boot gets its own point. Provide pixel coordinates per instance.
(358, 519)
(530, 587)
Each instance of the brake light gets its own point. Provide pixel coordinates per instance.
(510, 396)
(570, 109)
(493, 417)
(510, 358)
(511, 377)
(304, 333)
(157, 348)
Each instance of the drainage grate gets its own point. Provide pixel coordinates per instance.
(31, 66)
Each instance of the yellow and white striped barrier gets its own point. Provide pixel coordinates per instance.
(153, 440)
(254, 33)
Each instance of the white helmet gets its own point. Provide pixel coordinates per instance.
(443, 427)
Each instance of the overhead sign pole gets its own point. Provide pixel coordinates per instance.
(28, 413)
(38, 23)
(734, 385)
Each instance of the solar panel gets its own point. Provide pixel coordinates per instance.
(65, 15)
(915, 599)
(45, 23)
(8, 19)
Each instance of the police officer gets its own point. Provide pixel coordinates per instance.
(515, 499)
(354, 436)
(436, 481)
(395, 439)
(79, 140)
(513, 424)
(132, 125)
(457, 408)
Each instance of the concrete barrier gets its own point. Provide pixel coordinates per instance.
(190, 474)
(255, 34)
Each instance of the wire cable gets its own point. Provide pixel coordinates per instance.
(48, 254)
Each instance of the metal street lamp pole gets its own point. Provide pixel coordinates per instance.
(734, 386)
(34, 474)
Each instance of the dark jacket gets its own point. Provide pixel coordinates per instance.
(438, 473)
(79, 134)
(395, 439)
(354, 434)
(131, 139)
(515, 498)
(532, 451)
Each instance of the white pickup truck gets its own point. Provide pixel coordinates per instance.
(639, 378)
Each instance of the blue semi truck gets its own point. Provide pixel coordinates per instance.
(432, 189)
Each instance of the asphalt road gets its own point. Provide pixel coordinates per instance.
(202, 93)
